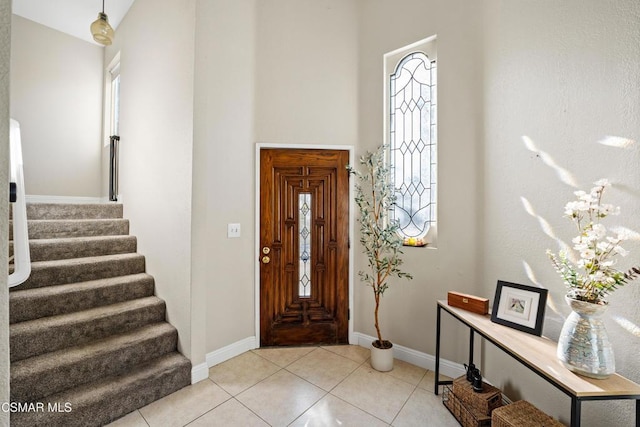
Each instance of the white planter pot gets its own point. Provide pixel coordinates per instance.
(381, 359)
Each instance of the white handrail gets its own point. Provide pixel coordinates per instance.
(21, 255)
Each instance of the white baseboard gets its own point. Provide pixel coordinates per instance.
(199, 373)
(451, 369)
(32, 198)
(232, 350)
(418, 358)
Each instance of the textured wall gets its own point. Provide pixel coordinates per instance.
(562, 90)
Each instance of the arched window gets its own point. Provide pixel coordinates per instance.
(412, 137)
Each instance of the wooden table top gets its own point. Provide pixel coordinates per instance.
(539, 354)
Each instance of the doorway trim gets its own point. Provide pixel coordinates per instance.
(256, 210)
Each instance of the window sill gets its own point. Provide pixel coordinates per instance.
(414, 243)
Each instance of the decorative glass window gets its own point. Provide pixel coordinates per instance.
(412, 137)
(304, 239)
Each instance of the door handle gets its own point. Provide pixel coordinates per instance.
(266, 260)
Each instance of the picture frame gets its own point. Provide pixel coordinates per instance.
(519, 306)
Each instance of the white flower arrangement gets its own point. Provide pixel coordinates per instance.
(593, 277)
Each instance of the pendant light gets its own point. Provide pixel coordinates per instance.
(101, 30)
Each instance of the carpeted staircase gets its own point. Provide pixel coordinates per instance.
(89, 341)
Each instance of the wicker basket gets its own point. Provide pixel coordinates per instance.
(483, 402)
(467, 417)
(522, 414)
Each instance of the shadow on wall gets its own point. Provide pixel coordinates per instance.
(557, 318)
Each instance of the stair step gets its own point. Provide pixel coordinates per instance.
(100, 402)
(59, 272)
(37, 377)
(48, 301)
(73, 210)
(76, 247)
(87, 335)
(36, 337)
(59, 228)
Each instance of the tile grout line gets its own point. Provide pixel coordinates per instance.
(349, 403)
(143, 418)
(280, 368)
(408, 398)
(217, 406)
(359, 364)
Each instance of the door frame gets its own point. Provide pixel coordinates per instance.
(265, 145)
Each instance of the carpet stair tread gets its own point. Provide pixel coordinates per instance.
(100, 402)
(54, 228)
(37, 377)
(58, 272)
(78, 247)
(30, 304)
(35, 337)
(73, 210)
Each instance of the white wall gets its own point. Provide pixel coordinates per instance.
(5, 45)
(56, 95)
(157, 65)
(222, 269)
(266, 71)
(567, 76)
(408, 308)
(306, 72)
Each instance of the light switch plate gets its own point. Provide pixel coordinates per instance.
(233, 230)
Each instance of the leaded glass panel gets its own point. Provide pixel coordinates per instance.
(412, 143)
(304, 240)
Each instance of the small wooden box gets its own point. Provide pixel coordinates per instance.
(483, 402)
(468, 302)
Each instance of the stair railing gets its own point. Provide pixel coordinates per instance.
(114, 141)
(21, 255)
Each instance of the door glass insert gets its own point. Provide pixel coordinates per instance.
(304, 240)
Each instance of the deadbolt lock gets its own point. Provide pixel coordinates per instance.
(266, 250)
(266, 260)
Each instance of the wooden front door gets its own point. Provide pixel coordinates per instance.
(304, 247)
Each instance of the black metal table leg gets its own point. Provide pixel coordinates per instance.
(575, 412)
(638, 413)
(471, 336)
(437, 373)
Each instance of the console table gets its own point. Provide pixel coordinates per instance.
(539, 355)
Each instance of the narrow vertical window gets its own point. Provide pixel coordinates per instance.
(112, 80)
(115, 101)
(304, 239)
(412, 140)
(111, 124)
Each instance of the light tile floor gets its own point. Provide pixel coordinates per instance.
(303, 386)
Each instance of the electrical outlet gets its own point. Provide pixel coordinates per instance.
(233, 231)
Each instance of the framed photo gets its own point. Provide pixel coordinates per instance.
(519, 306)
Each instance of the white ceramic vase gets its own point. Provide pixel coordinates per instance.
(382, 358)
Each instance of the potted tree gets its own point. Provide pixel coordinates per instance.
(381, 242)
